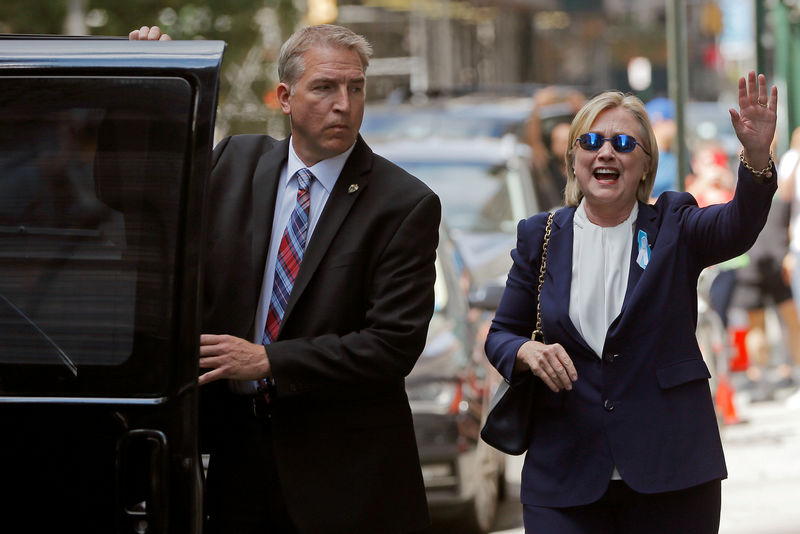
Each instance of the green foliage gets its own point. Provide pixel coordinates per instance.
(227, 20)
(252, 29)
(26, 16)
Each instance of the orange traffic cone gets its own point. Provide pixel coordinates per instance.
(724, 401)
(740, 360)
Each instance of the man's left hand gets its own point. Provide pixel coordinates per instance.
(231, 357)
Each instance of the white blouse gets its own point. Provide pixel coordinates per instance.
(601, 258)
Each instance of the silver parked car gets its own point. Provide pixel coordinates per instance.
(486, 188)
(449, 391)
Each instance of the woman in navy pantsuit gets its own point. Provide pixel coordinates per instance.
(624, 437)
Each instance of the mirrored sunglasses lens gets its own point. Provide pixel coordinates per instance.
(590, 141)
(623, 143)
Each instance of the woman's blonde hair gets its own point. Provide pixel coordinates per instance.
(582, 123)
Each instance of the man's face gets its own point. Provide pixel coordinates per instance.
(326, 105)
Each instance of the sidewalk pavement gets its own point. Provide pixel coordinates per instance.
(762, 492)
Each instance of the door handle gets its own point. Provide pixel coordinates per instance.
(142, 482)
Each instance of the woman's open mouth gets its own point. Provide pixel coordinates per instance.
(606, 175)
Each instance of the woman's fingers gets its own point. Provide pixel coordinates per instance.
(555, 388)
(744, 98)
(569, 367)
(551, 364)
(752, 87)
(762, 90)
(755, 120)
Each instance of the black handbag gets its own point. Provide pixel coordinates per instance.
(508, 424)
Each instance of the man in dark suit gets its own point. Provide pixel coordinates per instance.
(304, 410)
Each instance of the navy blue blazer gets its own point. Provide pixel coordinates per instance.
(645, 406)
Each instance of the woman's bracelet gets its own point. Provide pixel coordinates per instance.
(766, 172)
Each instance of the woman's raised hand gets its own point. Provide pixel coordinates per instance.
(754, 123)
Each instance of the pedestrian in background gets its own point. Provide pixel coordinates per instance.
(789, 191)
(754, 281)
(547, 133)
(318, 289)
(661, 112)
(711, 181)
(624, 437)
(762, 284)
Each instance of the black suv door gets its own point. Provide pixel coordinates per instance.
(104, 153)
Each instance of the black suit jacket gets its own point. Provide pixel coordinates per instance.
(354, 327)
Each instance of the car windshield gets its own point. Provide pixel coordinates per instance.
(476, 197)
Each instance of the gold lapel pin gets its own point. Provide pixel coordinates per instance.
(352, 189)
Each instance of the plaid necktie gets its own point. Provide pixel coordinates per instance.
(290, 254)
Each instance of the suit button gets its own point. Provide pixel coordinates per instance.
(608, 405)
(610, 357)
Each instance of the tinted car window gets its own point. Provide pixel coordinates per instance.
(91, 170)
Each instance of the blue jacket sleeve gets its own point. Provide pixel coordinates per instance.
(723, 231)
(515, 319)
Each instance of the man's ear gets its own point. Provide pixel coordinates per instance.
(284, 92)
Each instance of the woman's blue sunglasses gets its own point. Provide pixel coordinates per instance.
(620, 142)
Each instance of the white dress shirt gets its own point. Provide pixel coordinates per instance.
(326, 173)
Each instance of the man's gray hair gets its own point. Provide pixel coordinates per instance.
(290, 61)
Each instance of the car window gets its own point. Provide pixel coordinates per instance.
(475, 196)
(91, 172)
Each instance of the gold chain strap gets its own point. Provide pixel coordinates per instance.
(538, 332)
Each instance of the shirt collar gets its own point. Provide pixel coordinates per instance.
(326, 171)
(581, 220)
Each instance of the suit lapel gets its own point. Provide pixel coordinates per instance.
(351, 183)
(645, 221)
(559, 261)
(264, 194)
(559, 273)
(559, 257)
